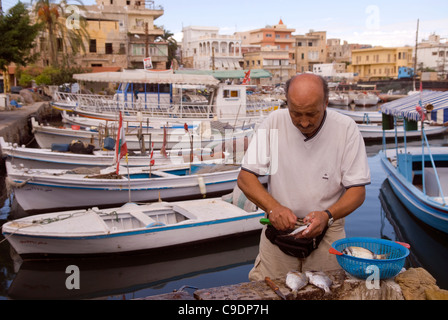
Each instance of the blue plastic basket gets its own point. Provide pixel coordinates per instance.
(358, 267)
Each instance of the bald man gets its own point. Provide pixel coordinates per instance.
(317, 166)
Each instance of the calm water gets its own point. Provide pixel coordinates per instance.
(218, 263)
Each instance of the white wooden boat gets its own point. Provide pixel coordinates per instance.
(340, 99)
(419, 175)
(201, 137)
(361, 116)
(129, 228)
(37, 158)
(375, 131)
(366, 99)
(45, 189)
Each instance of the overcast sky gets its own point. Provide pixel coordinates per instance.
(378, 22)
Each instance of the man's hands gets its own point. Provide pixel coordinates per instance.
(282, 218)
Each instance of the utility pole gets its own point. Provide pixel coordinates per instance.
(415, 58)
(146, 40)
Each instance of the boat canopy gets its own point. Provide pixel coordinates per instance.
(144, 76)
(228, 74)
(406, 107)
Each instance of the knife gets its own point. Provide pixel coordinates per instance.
(275, 288)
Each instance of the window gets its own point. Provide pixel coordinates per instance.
(59, 44)
(231, 93)
(108, 48)
(139, 22)
(310, 44)
(122, 49)
(138, 49)
(92, 46)
(299, 44)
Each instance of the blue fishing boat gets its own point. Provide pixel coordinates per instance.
(419, 175)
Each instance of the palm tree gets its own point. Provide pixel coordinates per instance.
(172, 45)
(60, 34)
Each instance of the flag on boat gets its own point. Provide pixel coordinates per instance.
(246, 78)
(151, 156)
(121, 148)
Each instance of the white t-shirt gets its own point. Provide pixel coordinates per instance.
(308, 174)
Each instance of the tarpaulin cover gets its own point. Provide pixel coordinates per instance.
(406, 107)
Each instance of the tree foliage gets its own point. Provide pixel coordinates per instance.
(168, 37)
(49, 75)
(65, 29)
(17, 36)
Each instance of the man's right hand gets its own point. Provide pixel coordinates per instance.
(282, 218)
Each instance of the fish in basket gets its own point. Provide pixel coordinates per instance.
(359, 256)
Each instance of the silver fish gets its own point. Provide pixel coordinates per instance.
(363, 253)
(298, 230)
(320, 280)
(296, 280)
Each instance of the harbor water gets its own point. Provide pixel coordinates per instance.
(216, 263)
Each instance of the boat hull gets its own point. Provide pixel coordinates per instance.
(74, 242)
(375, 132)
(37, 193)
(421, 206)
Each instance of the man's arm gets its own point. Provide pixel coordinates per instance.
(282, 218)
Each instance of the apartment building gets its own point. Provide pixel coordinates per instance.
(277, 37)
(275, 53)
(122, 34)
(310, 49)
(277, 62)
(204, 48)
(337, 52)
(380, 62)
(432, 53)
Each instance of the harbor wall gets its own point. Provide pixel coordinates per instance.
(15, 125)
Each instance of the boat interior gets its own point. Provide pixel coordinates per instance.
(137, 219)
(410, 166)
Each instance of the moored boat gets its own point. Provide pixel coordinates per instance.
(366, 99)
(361, 116)
(202, 136)
(37, 190)
(375, 131)
(129, 228)
(418, 175)
(340, 99)
(37, 158)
